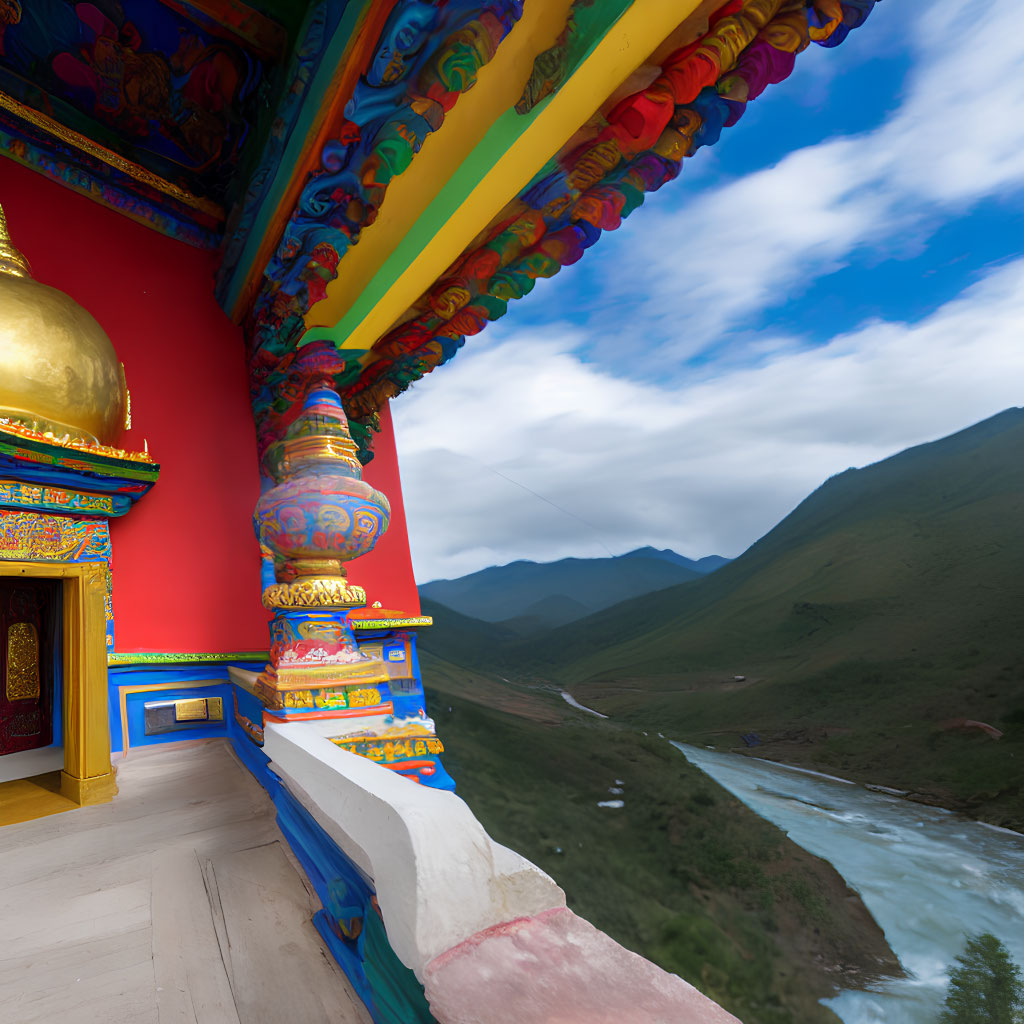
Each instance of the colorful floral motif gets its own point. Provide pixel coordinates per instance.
(25, 535)
(57, 499)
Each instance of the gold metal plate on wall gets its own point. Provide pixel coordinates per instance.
(191, 710)
(22, 661)
(183, 714)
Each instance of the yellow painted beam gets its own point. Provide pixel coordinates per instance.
(498, 87)
(627, 44)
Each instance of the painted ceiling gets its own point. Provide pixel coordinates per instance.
(162, 101)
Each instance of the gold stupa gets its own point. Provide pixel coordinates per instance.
(58, 369)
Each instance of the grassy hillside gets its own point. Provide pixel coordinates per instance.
(575, 586)
(683, 874)
(885, 609)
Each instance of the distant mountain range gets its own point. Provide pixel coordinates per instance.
(702, 566)
(528, 596)
(863, 635)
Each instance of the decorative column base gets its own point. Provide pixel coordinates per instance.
(364, 696)
(100, 789)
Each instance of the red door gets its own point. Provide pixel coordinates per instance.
(29, 621)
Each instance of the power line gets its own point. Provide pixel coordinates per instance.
(555, 505)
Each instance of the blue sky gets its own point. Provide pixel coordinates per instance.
(840, 277)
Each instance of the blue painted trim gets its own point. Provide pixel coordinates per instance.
(252, 757)
(386, 986)
(342, 890)
(343, 956)
(249, 706)
(74, 169)
(75, 479)
(134, 703)
(157, 675)
(389, 989)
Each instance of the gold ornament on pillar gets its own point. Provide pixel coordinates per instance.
(59, 372)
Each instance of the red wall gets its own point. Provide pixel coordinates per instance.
(186, 563)
(386, 572)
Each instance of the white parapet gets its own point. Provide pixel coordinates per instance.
(486, 932)
(439, 877)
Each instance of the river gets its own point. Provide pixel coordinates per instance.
(926, 874)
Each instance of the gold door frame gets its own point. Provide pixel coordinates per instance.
(88, 777)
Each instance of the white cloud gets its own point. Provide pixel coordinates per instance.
(521, 423)
(693, 271)
(702, 467)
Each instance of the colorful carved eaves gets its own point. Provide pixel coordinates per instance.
(395, 252)
(42, 473)
(379, 239)
(425, 57)
(633, 147)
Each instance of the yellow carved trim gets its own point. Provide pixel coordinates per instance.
(499, 84)
(417, 620)
(315, 592)
(111, 159)
(9, 426)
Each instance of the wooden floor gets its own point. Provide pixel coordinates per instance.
(179, 902)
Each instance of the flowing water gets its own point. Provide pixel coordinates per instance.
(927, 875)
(570, 699)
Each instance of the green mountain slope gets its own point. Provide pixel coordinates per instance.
(587, 585)
(683, 873)
(884, 613)
(887, 608)
(460, 638)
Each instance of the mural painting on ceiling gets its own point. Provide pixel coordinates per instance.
(169, 88)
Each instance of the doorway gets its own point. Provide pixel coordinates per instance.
(30, 658)
(59, 625)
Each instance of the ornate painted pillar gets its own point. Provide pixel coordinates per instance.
(316, 515)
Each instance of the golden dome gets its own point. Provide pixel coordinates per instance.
(58, 369)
